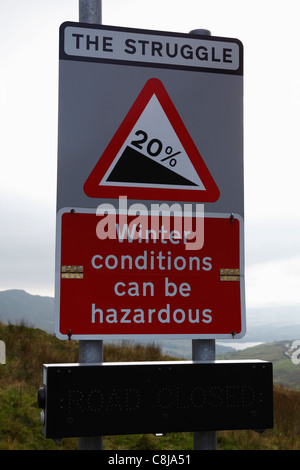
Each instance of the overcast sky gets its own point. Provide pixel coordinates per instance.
(269, 31)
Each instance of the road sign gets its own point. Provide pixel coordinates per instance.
(149, 116)
(152, 155)
(122, 276)
(169, 100)
(155, 397)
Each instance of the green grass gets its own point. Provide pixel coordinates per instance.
(28, 349)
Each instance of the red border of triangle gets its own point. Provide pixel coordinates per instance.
(93, 189)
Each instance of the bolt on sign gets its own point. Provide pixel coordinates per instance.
(147, 117)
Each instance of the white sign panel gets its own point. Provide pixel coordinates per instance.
(144, 47)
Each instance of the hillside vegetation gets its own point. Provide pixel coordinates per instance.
(27, 349)
(285, 372)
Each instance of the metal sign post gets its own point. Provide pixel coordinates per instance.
(90, 351)
(204, 350)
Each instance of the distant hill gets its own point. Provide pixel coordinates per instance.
(269, 324)
(263, 325)
(285, 372)
(17, 306)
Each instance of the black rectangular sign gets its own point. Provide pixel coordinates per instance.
(155, 397)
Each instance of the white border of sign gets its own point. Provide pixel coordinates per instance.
(148, 336)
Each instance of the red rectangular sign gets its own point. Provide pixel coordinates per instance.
(120, 280)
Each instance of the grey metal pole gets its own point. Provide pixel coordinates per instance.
(90, 351)
(90, 11)
(204, 350)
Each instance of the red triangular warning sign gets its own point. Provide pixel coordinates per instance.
(152, 156)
